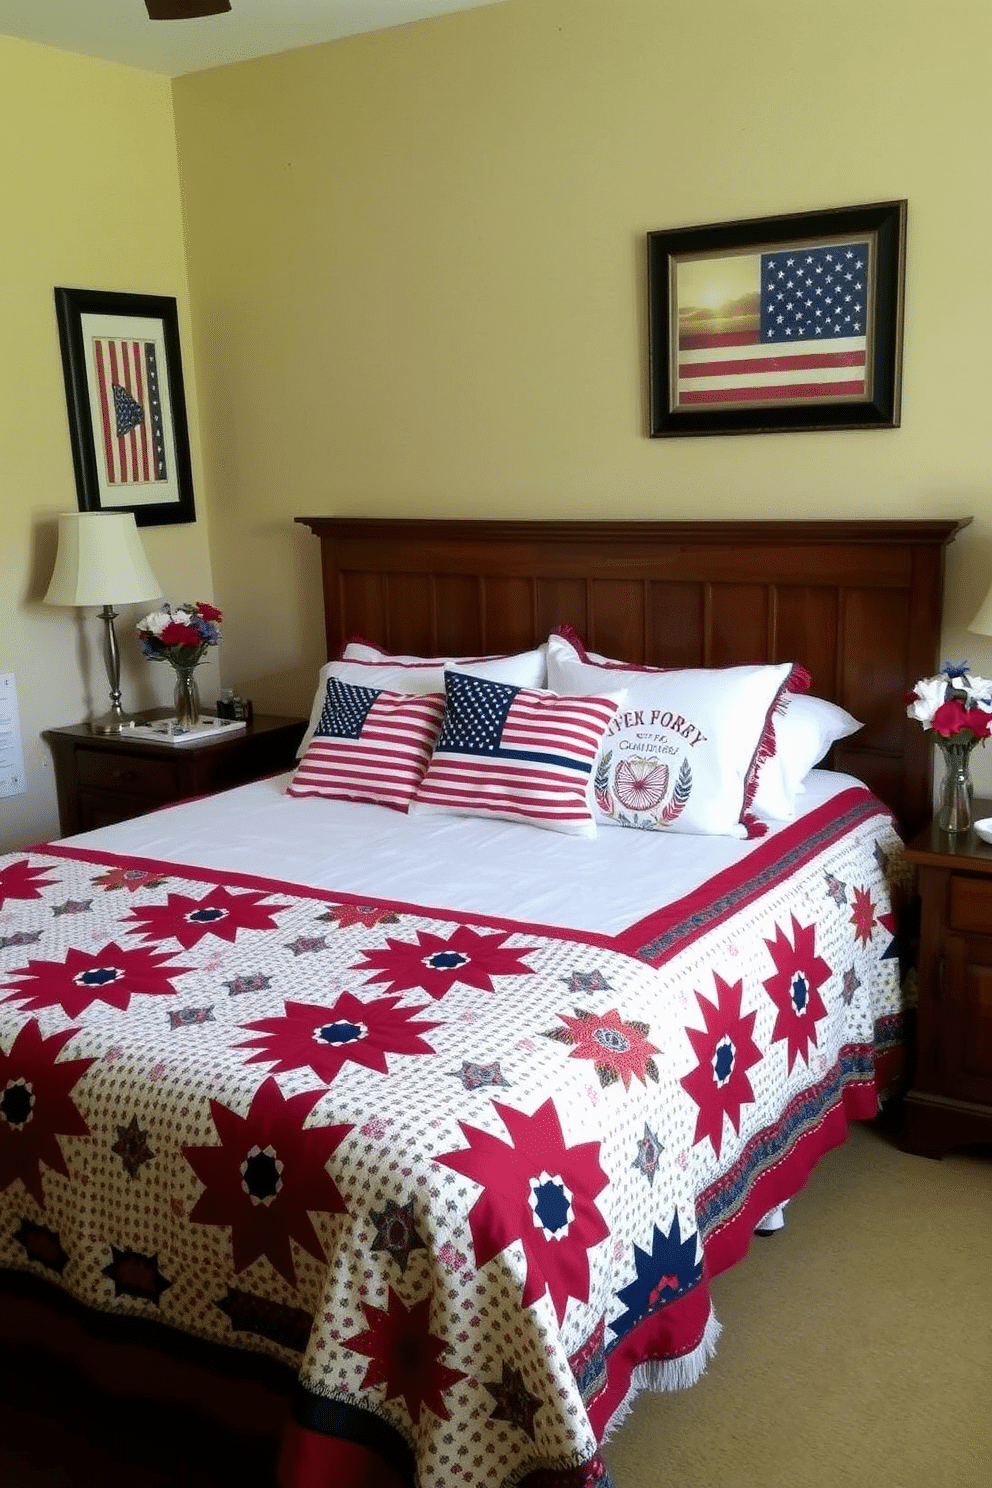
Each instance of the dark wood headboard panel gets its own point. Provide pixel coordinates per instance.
(857, 603)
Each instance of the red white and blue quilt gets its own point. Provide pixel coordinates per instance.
(467, 1178)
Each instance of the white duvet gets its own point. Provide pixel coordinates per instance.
(480, 866)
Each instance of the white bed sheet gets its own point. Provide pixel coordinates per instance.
(474, 865)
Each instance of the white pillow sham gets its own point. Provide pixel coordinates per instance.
(684, 752)
(804, 729)
(372, 667)
(523, 668)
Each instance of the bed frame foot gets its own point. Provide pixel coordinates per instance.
(773, 1221)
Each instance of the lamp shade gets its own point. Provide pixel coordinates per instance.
(100, 561)
(982, 622)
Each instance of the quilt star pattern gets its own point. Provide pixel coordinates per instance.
(467, 1179)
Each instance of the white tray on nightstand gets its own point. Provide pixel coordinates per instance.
(167, 731)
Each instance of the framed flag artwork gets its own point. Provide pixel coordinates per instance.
(778, 323)
(127, 405)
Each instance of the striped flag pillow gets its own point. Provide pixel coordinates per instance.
(369, 745)
(516, 753)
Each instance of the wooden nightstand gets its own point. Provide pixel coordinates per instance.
(101, 779)
(950, 1103)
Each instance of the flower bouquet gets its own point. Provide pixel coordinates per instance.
(181, 636)
(957, 706)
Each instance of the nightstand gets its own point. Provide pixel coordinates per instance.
(101, 779)
(950, 1103)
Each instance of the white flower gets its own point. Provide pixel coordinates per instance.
(978, 691)
(155, 622)
(930, 693)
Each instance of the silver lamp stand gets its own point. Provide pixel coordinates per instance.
(100, 561)
(115, 718)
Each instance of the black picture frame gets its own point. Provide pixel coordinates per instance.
(702, 377)
(126, 403)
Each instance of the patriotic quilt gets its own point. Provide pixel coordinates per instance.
(466, 1179)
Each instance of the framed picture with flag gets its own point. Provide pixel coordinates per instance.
(127, 405)
(777, 323)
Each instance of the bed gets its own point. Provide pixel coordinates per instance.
(439, 1120)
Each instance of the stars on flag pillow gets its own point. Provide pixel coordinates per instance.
(369, 744)
(516, 753)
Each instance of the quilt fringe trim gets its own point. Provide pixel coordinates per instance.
(668, 1374)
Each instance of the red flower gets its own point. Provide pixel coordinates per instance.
(220, 913)
(540, 1192)
(953, 716)
(109, 975)
(794, 989)
(208, 611)
(266, 1176)
(405, 1356)
(177, 634)
(36, 1108)
(725, 1051)
(324, 1038)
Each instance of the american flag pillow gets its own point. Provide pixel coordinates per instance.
(369, 745)
(516, 753)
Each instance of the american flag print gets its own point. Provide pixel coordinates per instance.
(132, 434)
(516, 753)
(369, 745)
(794, 325)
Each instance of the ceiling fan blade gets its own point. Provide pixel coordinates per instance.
(184, 10)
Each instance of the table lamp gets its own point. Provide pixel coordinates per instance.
(100, 561)
(982, 622)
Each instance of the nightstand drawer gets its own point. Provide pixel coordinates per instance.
(142, 775)
(971, 904)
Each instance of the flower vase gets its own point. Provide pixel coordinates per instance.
(187, 698)
(954, 812)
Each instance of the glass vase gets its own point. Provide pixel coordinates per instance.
(187, 698)
(954, 811)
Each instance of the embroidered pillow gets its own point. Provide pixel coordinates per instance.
(516, 753)
(804, 731)
(366, 665)
(683, 752)
(369, 745)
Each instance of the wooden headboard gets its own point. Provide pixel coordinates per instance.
(857, 603)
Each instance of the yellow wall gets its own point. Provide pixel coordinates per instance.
(417, 274)
(90, 198)
(416, 285)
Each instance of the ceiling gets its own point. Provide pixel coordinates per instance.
(120, 31)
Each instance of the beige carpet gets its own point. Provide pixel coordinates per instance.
(857, 1344)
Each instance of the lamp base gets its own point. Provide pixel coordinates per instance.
(114, 721)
